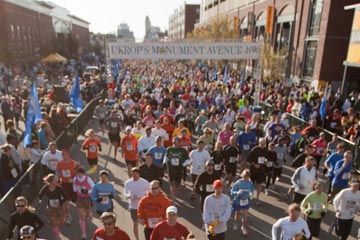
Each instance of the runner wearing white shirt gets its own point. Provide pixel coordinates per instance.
(198, 158)
(303, 179)
(346, 204)
(158, 131)
(51, 158)
(146, 142)
(288, 227)
(135, 188)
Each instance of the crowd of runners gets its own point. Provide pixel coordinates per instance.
(171, 122)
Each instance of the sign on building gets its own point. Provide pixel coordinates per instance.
(353, 56)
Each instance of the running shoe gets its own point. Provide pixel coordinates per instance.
(244, 230)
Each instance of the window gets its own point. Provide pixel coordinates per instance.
(315, 17)
(216, 2)
(310, 56)
(12, 29)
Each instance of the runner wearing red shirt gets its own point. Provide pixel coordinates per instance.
(320, 146)
(129, 146)
(93, 147)
(109, 231)
(170, 228)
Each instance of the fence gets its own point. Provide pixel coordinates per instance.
(64, 140)
(296, 121)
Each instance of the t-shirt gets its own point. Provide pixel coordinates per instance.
(285, 229)
(100, 234)
(66, 170)
(135, 190)
(198, 161)
(259, 156)
(332, 160)
(51, 159)
(231, 155)
(129, 146)
(342, 174)
(175, 158)
(158, 154)
(92, 145)
(163, 231)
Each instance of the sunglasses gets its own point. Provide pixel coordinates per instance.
(20, 206)
(154, 188)
(108, 223)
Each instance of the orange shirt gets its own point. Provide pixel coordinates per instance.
(66, 170)
(177, 132)
(92, 146)
(129, 145)
(152, 209)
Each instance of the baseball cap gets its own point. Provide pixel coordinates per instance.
(104, 172)
(135, 169)
(27, 229)
(208, 162)
(217, 184)
(172, 209)
(128, 128)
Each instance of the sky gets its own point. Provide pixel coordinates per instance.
(105, 15)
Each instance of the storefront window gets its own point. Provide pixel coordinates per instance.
(310, 55)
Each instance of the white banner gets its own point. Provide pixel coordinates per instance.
(186, 50)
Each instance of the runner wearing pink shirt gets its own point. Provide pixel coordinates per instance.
(320, 146)
(225, 135)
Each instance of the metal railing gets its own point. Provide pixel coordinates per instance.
(35, 171)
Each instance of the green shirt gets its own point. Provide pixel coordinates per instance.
(317, 203)
(175, 158)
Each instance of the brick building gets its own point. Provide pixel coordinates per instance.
(182, 21)
(29, 30)
(313, 33)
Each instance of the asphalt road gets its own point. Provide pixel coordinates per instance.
(273, 206)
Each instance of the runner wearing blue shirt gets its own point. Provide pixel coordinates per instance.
(102, 194)
(342, 173)
(246, 140)
(331, 161)
(158, 152)
(242, 193)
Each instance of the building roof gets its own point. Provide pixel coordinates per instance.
(79, 19)
(45, 4)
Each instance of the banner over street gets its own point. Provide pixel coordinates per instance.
(183, 50)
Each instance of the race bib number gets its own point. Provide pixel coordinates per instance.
(158, 155)
(350, 205)
(246, 147)
(99, 238)
(92, 148)
(198, 168)
(175, 161)
(14, 173)
(261, 160)
(54, 203)
(232, 159)
(244, 202)
(129, 147)
(346, 175)
(152, 222)
(66, 173)
(320, 151)
(102, 115)
(316, 206)
(280, 156)
(113, 124)
(217, 167)
(269, 163)
(311, 139)
(209, 188)
(105, 200)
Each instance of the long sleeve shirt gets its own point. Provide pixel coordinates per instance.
(217, 209)
(27, 218)
(347, 203)
(317, 203)
(102, 193)
(284, 229)
(304, 179)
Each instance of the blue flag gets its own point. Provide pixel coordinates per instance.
(75, 98)
(33, 115)
(322, 109)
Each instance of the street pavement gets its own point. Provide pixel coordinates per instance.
(273, 206)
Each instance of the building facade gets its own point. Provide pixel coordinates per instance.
(313, 34)
(29, 30)
(124, 33)
(183, 20)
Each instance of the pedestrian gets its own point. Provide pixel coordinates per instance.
(218, 157)
(242, 194)
(314, 206)
(303, 180)
(109, 231)
(129, 145)
(24, 215)
(10, 171)
(83, 186)
(56, 197)
(231, 158)
(150, 171)
(152, 208)
(330, 163)
(92, 145)
(113, 125)
(175, 159)
(51, 158)
(217, 212)
(135, 188)
(102, 194)
(28, 232)
(346, 204)
(145, 142)
(101, 112)
(290, 226)
(170, 228)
